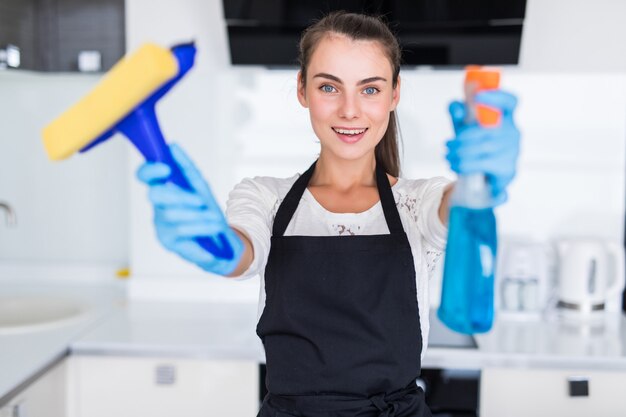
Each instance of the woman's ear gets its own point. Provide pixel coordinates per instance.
(395, 98)
(302, 91)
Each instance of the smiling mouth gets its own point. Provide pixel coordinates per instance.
(349, 132)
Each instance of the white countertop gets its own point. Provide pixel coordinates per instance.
(551, 342)
(544, 342)
(163, 328)
(117, 326)
(227, 331)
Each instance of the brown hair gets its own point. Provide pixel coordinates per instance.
(360, 27)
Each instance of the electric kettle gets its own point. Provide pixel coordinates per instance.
(591, 272)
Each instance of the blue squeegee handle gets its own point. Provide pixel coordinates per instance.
(142, 128)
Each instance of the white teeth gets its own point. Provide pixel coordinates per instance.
(349, 131)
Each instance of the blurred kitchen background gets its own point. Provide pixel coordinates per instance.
(244, 120)
(564, 59)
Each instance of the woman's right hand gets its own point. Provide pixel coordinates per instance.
(182, 216)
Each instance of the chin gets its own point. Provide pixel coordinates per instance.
(350, 155)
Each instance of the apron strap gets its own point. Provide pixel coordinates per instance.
(387, 201)
(290, 203)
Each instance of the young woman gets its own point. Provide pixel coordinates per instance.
(344, 250)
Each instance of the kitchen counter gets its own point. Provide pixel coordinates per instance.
(551, 342)
(165, 328)
(117, 326)
(214, 330)
(227, 331)
(546, 342)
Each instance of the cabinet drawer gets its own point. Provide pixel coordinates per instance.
(133, 386)
(551, 393)
(44, 397)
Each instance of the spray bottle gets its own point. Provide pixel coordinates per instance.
(468, 278)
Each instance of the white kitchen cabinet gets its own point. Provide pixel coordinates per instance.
(44, 397)
(511, 392)
(105, 386)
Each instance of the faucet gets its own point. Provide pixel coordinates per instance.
(11, 220)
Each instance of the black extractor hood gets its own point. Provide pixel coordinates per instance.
(439, 33)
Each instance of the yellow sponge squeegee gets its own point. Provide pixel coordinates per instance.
(124, 101)
(125, 86)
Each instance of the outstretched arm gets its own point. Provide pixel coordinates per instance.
(247, 255)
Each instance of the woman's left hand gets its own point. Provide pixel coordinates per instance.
(492, 151)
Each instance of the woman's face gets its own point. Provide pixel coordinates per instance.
(349, 94)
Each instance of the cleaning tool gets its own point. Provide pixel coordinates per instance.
(468, 280)
(124, 101)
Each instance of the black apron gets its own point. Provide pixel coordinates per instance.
(341, 327)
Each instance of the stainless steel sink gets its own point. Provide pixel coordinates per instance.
(26, 313)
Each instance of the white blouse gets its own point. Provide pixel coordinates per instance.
(253, 203)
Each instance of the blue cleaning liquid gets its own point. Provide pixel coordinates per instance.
(468, 280)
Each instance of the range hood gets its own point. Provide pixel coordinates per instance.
(439, 33)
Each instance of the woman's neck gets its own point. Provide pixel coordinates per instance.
(344, 174)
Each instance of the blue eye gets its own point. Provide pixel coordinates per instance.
(328, 88)
(371, 90)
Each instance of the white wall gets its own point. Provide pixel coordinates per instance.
(574, 35)
(74, 211)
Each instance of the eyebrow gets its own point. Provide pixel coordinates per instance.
(337, 80)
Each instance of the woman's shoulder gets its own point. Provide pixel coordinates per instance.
(411, 186)
(413, 196)
(273, 187)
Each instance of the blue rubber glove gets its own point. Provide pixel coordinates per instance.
(492, 151)
(181, 216)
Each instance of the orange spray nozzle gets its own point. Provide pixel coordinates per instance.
(477, 79)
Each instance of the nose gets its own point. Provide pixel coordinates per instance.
(349, 108)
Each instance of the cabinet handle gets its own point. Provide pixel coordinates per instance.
(19, 410)
(578, 386)
(165, 375)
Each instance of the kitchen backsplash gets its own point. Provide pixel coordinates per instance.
(70, 211)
